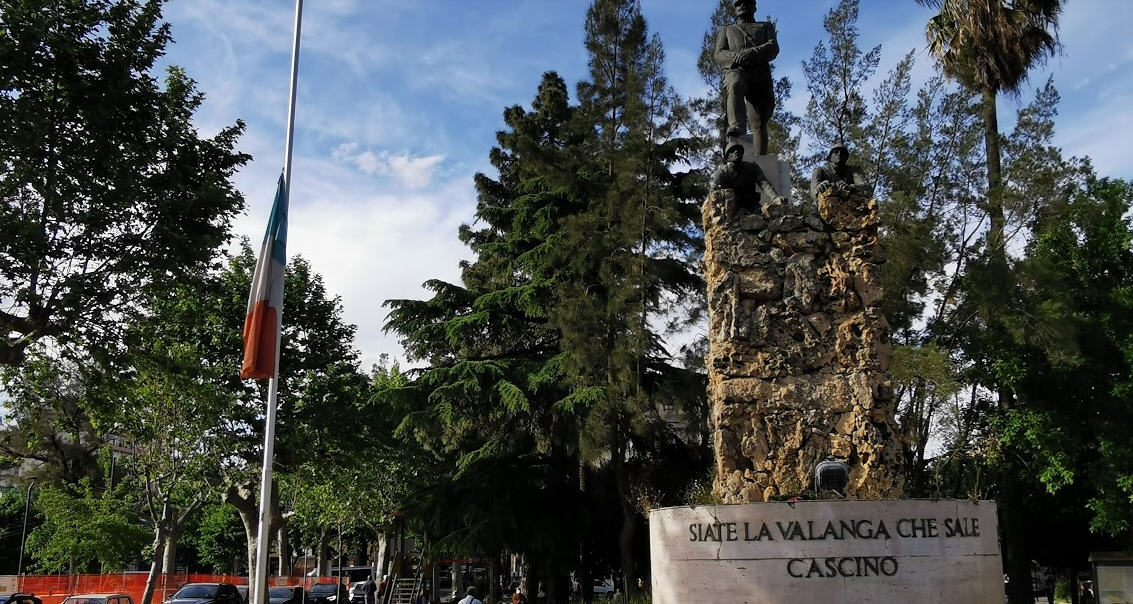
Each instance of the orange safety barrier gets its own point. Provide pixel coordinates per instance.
(53, 589)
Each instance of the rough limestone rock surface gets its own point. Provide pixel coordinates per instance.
(799, 349)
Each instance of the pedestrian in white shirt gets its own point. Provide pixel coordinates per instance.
(471, 597)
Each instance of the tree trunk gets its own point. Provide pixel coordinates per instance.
(155, 567)
(167, 532)
(493, 583)
(629, 515)
(322, 555)
(243, 498)
(531, 582)
(1011, 508)
(996, 242)
(284, 552)
(435, 596)
(383, 554)
(586, 581)
(170, 561)
(457, 581)
(251, 535)
(1016, 560)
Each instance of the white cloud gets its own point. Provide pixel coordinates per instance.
(373, 247)
(413, 172)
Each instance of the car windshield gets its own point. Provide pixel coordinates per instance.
(279, 592)
(196, 591)
(73, 600)
(327, 588)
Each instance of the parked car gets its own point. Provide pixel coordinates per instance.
(326, 593)
(603, 589)
(362, 592)
(243, 591)
(353, 574)
(99, 599)
(19, 598)
(291, 594)
(206, 593)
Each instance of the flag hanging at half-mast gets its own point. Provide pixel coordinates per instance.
(265, 301)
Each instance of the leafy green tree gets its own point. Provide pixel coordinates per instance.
(11, 528)
(47, 421)
(355, 483)
(989, 299)
(1075, 348)
(502, 407)
(93, 531)
(929, 228)
(836, 74)
(216, 533)
(107, 188)
(925, 379)
(171, 410)
(989, 46)
(316, 350)
(874, 124)
(930, 216)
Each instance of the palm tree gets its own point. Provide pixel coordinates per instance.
(989, 46)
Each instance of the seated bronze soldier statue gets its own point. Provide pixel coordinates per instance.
(839, 176)
(746, 179)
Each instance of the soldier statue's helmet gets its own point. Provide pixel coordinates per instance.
(838, 147)
(728, 149)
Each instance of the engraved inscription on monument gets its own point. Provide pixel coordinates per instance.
(827, 551)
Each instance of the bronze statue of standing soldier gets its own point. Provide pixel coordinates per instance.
(745, 50)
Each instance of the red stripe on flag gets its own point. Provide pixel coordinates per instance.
(259, 342)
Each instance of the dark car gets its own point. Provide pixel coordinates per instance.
(19, 598)
(291, 594)
(243, 591)
(206, 593)
(326, 593)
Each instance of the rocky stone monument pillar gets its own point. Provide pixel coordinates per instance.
(798, 384)
(798, 362)
(799, 349)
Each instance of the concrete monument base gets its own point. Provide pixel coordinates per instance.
(838, 552)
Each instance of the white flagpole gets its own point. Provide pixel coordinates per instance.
(264, 539)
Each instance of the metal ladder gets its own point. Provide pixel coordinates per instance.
(405, 590)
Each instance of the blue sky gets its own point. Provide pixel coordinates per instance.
(399, 102)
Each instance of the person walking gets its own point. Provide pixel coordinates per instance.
(471, 597)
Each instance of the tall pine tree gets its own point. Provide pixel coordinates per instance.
(631, 254)
(550, 352)
(489, 406)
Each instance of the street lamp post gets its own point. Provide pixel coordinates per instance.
(24, 534)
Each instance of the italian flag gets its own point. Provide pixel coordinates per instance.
(265, 301)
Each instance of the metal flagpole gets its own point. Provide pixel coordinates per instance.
(264, 539)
